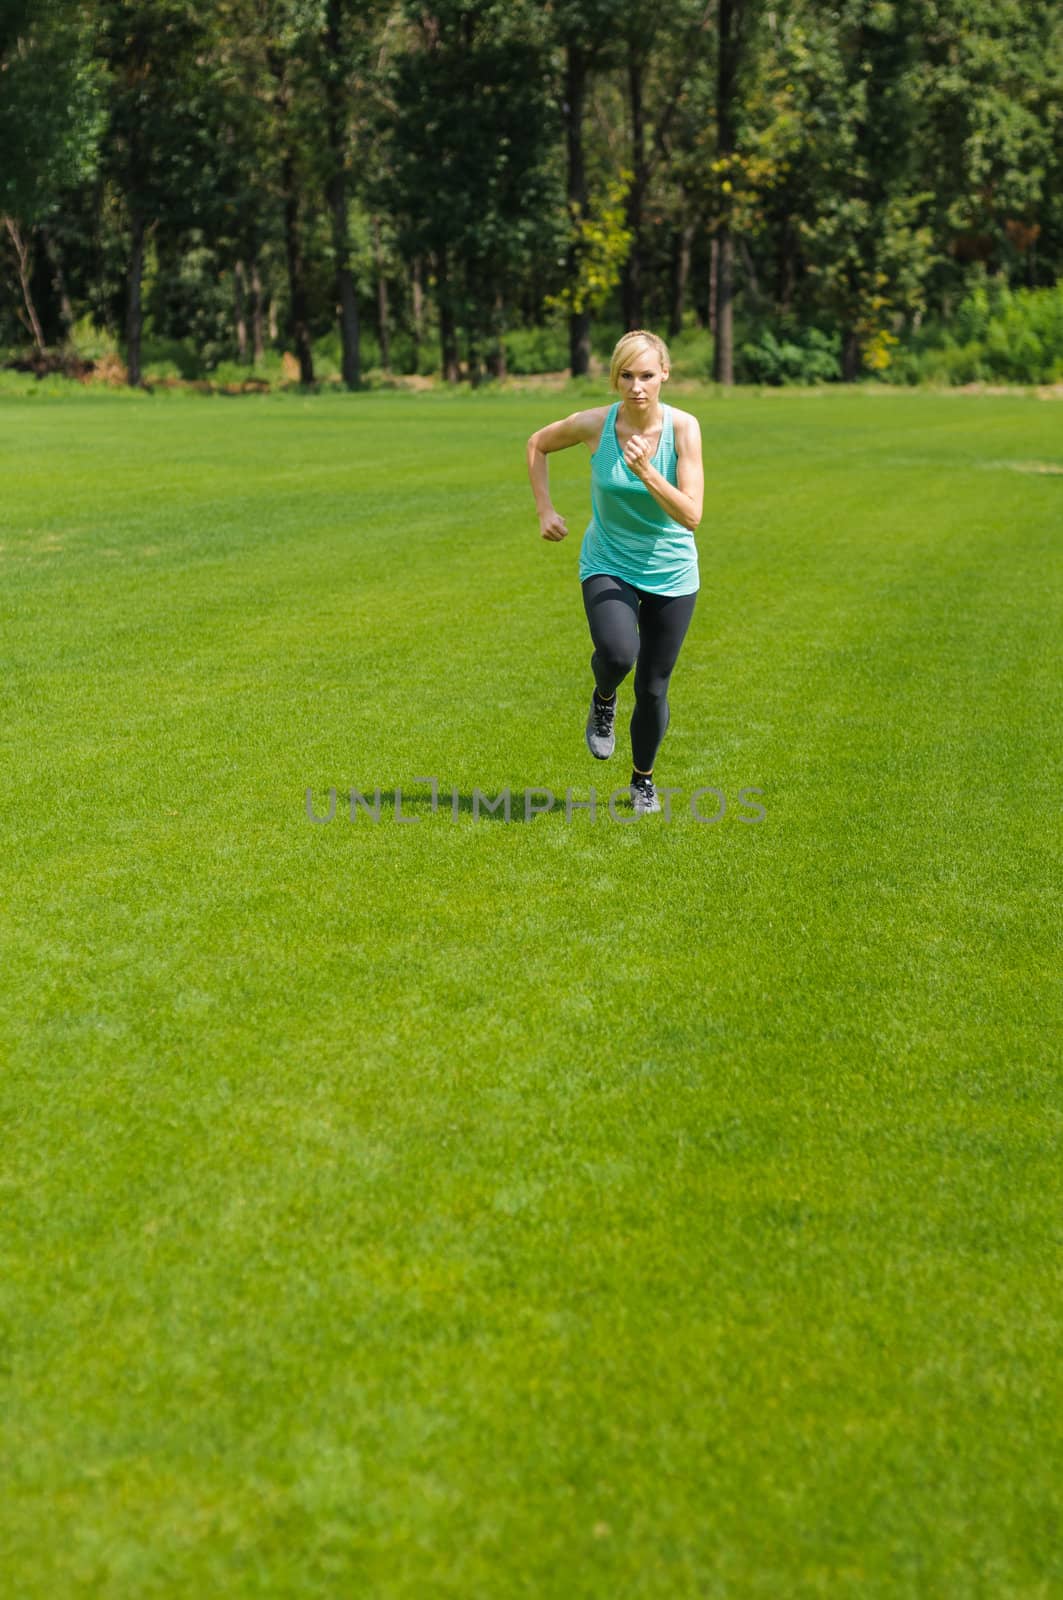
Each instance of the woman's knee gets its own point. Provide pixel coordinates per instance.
(616, 660)
(652, 689)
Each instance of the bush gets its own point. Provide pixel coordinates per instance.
(691, 352)
(786, 354)
(543, 349)
(996, 335)
(401, 351)
(943, 364)
(91, 341)
(270, 370)
(170, 358)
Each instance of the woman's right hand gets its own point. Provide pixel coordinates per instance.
(552, 525)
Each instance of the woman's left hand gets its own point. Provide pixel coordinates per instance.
(638, 455)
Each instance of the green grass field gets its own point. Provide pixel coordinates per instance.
(547, 1209)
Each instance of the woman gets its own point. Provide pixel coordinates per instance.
(638, 562)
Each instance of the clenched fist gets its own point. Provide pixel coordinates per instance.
(638, 454)
(552, 525)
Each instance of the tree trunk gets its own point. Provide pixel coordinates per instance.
(55, 261)
(474, 363)
(337, 197)
(350, 335)
(448, 334)
(293, 246)
(729, 29)
(784, 272)
(382, 310)
(631, 288)
(850, 355)
(258, 344)
(579, 343)
(496, 358)
(723, 353)
(750, 273)
(474, 360)
(240, 310)
(682, 245)
(417, 299)
(296, 275)
(579, 322)
(134, 319)
(714, 273)
(22, 256)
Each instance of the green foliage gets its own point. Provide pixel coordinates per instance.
(839, 87)
(188, 298)
(996, 335)
(989, 130)
(788, 354)
(466, 169)
(536, 349)
(882, 147)
(171, 358)
(52, 106)
(93, 341)
(600, 242)
(162, 150)
(692, 353)
(270, 368)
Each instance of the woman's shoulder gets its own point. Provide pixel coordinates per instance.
(595, 419)
(685, 426)
(590, 422)
(579, 427)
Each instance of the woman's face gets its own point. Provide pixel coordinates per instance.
(640, 378)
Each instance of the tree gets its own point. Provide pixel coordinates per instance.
(160, 145)
(988, 89)
(585, 32)
(663, 54)
(466, 175)
(732, 31)
(51, 116)
(863, 235)
(337, 71)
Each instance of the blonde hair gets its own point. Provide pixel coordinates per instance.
(626, 347)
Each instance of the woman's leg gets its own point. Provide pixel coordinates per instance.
(663, 622)
(612, 608)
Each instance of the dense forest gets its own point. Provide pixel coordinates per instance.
(471, 187)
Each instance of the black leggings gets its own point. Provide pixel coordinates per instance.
(628, 625)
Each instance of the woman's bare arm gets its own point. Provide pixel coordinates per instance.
(582, 427)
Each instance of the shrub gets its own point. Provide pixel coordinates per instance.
(996, 334)
(170, 358)
(786, 354)
(542, 349)
(691, 353)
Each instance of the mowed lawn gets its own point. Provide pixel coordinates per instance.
(552, 1208)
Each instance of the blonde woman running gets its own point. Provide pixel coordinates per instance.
(638, 562)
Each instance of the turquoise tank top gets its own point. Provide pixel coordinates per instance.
(629, 535)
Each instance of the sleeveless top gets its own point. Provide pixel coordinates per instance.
(629, 535)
